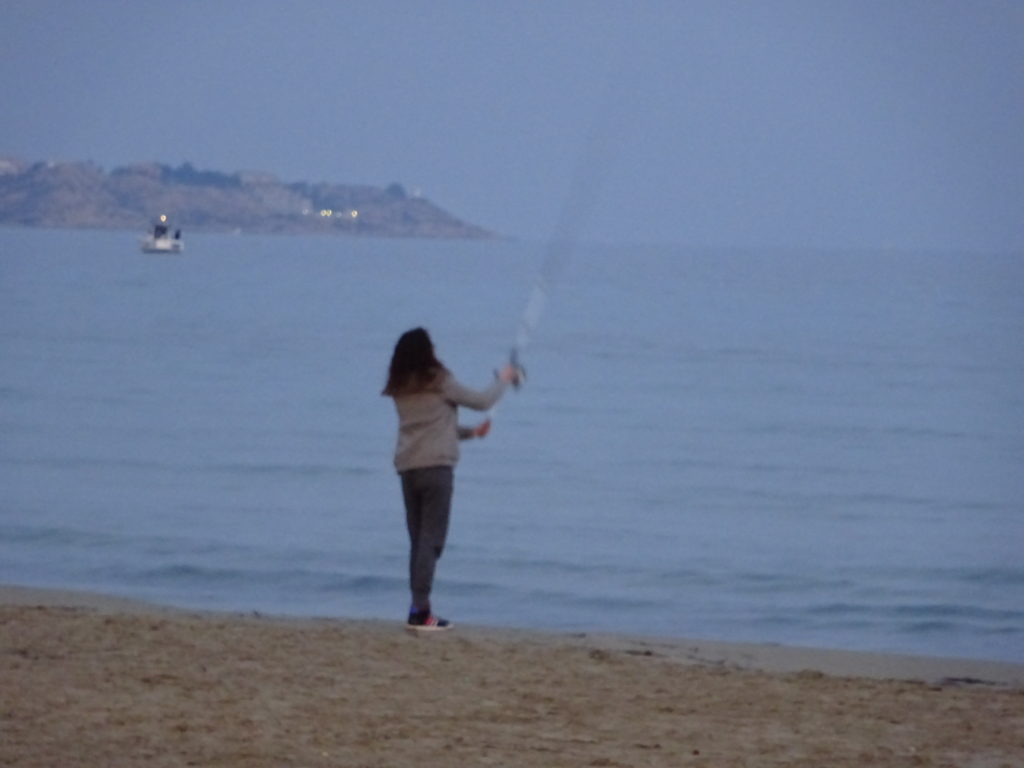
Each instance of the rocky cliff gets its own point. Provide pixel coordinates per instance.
(82, 195)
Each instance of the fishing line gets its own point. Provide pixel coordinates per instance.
(583, 192)
(607, 127)
(584, 189)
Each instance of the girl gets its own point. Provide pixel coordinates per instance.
(426, 397)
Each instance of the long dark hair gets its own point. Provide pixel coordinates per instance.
(414, 368)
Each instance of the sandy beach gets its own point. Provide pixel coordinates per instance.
(96, 681)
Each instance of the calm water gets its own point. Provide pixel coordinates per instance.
(807, 448)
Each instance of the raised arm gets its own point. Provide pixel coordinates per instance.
(480, 400)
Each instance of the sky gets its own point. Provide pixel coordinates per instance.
(708, 123)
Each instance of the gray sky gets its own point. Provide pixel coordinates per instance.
(859, 123)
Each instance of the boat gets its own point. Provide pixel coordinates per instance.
(160, 239)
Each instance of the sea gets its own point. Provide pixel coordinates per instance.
(813, 448)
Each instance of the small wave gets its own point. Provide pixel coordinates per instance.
(996, 577)
(83, 462)
(925, 612)
(944, 611)
(361, 583)
(183, 575)
(839, 609)
(277, 469)
(926, 433)
(550, 566)
(756, 582)
(930, 627)
(53, 536)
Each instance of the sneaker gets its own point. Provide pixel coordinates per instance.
(425, 621)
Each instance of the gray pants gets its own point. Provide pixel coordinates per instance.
(428, 497)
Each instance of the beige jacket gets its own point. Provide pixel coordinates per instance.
(428, 430)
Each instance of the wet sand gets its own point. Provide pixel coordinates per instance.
(98, 681)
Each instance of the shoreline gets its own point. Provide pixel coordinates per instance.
(101, 680)
(760, 657)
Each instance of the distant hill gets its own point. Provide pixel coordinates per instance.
(82, 195)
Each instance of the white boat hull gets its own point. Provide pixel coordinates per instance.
(161, 245)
